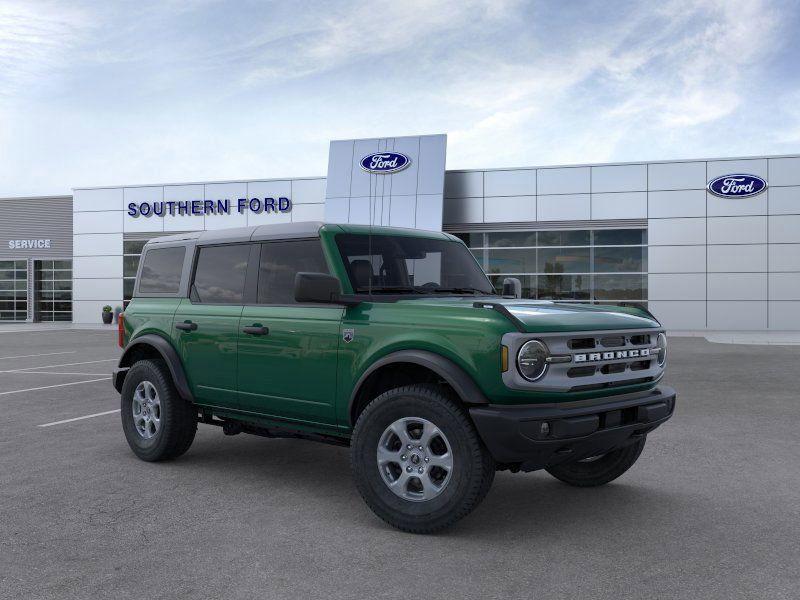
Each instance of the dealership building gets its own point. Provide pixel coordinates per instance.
(706, 245)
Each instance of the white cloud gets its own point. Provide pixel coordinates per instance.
(35, 38)
(106, 93)
(339, 36)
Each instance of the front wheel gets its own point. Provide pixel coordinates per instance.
(598, 470)
(418, 461)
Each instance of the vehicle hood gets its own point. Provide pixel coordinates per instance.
(543, 316)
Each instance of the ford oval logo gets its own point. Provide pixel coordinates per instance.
(737, 186)
(384, 163)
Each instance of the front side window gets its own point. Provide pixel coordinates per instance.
(220, 274)
(161, 271)
(280, 262)
(398, 264)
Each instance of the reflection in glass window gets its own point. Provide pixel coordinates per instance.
(620, 237)
(601, 265)
(161, 272)
(281, 262)
(564, 260)
(620, 260)
(620, 287)
(511, 261)
(523, 239)
(565, 238)
(564, 287)
(130, 264)
(220, 273)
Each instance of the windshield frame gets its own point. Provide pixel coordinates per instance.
(479, 283)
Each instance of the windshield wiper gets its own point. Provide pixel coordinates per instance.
(460, 290)
(389, 289)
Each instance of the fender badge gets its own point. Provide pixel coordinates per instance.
(348, 335)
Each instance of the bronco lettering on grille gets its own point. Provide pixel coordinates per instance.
(600, 356)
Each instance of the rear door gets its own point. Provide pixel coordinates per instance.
(288, 351)
(207, 323)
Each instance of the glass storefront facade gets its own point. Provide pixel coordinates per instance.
(131, 253)
(53, 290)
(13, 290)
(604, 266)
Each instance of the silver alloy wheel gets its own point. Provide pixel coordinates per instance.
(146, 410)
(415, 459)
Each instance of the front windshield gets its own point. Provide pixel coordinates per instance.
(391, 264)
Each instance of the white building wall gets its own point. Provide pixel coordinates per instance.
(713, 263)
(100, 222)
(411, 197)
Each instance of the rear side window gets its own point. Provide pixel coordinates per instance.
(220, 274)
(280, 262)
(161, 271)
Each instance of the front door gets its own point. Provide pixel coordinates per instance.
(287, 351)
(207, 323)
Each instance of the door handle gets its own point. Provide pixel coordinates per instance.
(186, 326)
(256, 330)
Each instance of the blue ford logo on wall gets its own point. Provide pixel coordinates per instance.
(737, 186)
(385, 163)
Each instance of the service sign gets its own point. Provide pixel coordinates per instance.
(28, 244)
(737, 186)
(385, 163)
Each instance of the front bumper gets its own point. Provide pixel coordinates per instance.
(535, 437)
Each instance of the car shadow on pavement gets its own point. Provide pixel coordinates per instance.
(523, 503)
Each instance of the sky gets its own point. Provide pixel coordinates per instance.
(110, 93)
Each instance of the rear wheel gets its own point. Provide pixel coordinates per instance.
(418, 461)
(598, 470)
(158, 423)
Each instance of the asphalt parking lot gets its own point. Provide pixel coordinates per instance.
(710, 510)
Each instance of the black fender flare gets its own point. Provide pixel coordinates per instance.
(455, 376)
(167, 352)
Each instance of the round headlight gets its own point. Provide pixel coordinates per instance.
(661, 349)
(531, 360)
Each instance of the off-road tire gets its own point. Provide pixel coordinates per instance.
(600, 471)
(473, 466)
(178, 417)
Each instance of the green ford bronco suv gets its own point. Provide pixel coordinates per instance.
(392, 342)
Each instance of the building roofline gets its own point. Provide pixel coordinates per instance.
(626, 163)
(475, 170)
(174, 183)
(55, 197)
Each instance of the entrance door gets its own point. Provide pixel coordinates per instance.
(207, 323)
(287, 363)
(13, 290)
(52, 290)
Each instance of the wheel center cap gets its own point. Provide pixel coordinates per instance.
(415, 459)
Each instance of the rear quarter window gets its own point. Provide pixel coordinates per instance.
(220, 274)
(161, 270)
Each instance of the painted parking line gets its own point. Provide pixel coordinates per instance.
(35, 355)
(60, 373)
(108, 412)
(86, 362)
(107, 379)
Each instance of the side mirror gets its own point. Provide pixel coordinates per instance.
(317, 287)
(512, 287)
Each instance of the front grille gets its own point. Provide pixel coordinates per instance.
(581, 343)
(596, 360)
